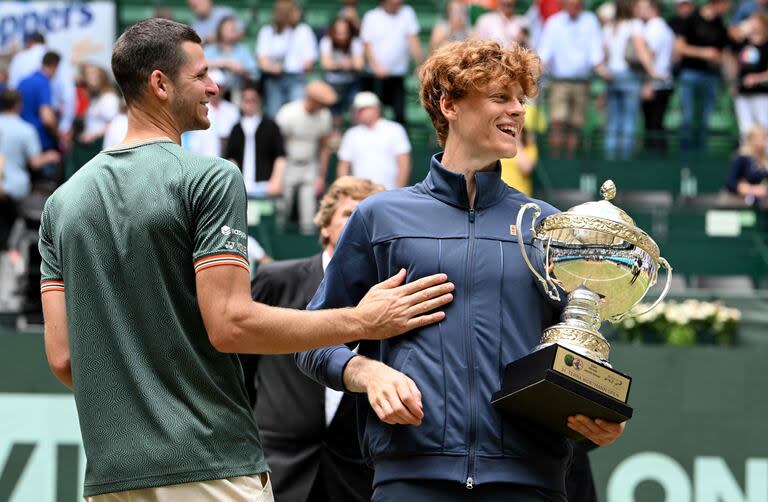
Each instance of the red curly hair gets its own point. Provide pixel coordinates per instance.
(460, 68)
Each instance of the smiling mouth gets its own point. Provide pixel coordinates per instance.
(507, 129)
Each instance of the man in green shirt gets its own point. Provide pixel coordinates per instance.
(146, 295)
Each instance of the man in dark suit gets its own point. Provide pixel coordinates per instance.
(309, 433)
(256, 146)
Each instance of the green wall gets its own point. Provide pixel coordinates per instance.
(698, 434)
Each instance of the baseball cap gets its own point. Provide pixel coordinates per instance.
(365, 99)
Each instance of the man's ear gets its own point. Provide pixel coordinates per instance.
(448, 108)
(159, 85)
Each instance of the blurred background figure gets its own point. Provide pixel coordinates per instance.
(208, 17)
(390, 33)
(342, 60)
(117, 128)
(501, 25)
(748, 175)
(702, 40)
(571, 48)
(621, 37)
(256, 147)
(308, 432)
(62, 84)
(349, 11)
(453, 26)
(517, 171)
(376, 148)
(306, 125)
(231, 57)
(222, 112)
(660, 40)
(287, 51)
(19, 151)
(750, 58)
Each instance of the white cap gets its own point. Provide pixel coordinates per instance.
(365, 99)
(218, 77)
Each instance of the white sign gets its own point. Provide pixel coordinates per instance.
(81, 32)
(37, 431)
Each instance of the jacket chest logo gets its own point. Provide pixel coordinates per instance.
(512, 230)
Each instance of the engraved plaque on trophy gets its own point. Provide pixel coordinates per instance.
(596, 255)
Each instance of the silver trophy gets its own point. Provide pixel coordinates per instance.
(596, 255)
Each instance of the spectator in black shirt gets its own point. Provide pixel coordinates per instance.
(683, 10)
(256, 146)
(701, 44)
(751, 72)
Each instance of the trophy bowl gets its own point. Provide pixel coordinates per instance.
(605, 264)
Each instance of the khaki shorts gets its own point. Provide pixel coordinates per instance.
(568, 102)
(239, 489)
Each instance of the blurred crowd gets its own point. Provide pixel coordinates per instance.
(300, 94)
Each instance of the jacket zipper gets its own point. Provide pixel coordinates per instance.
(470, 355)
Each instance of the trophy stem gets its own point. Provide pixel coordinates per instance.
(579, 327)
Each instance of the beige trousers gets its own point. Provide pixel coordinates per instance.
(239, 489)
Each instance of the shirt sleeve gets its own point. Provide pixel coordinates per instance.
(262, 41)
(412, 27)
(51, 277)
(349, 276)
(325, 46)
(345, 149)
(219, 220)
(357, 47)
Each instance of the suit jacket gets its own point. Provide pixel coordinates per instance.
(269, 146)
(310, 462)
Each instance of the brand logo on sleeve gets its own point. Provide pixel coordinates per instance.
(226, 231)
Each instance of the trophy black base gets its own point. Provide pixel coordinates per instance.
(551, 384)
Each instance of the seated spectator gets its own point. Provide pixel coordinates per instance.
(454, 26)
(751, 61)
(342, 60)
(376, 148)
(501, 25)
(19, 148)
(287, 51)
(516, 172)
(256, 146)
(208, 18)
(228, 55)
(748, 173)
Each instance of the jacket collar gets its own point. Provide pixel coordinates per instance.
(451, 187)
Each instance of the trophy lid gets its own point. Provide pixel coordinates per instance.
(604, 208)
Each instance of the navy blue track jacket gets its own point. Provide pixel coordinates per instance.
(497, 316)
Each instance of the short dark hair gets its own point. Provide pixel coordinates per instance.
(252, 85)
(9, 98)
(149, 45)
(51, 58)
(35, 37)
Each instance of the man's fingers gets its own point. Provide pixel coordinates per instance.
(423, 283)
(392, 282)
(427, 294)
(424, 320)
(410, 400)
(426, 306)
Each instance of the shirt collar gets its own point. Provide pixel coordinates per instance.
(451, 187)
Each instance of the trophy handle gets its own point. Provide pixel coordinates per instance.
(521, 242)
(662, 263)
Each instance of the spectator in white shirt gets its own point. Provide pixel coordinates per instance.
(306, 125)
(501, 25)
(376, 148)
(223, 113)
(104, 104)
(287, 51)
(660, 40)
(571, 49)
(390, 32)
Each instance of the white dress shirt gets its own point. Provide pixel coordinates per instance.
(571, 48)
(332, 397)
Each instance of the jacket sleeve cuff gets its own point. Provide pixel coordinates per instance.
(337, 363)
